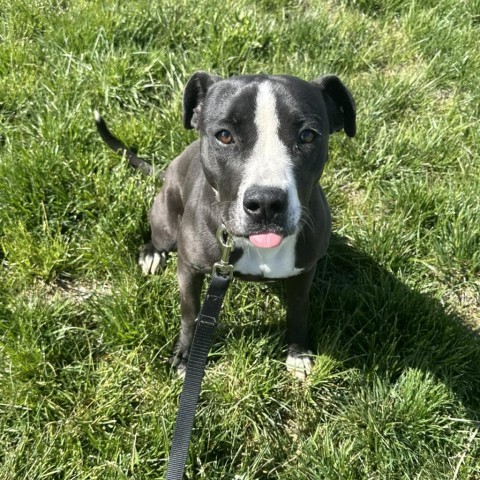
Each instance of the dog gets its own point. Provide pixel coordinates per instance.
(256, 167)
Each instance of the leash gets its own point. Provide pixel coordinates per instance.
(206, 324)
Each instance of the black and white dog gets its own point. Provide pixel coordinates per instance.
(256, 169)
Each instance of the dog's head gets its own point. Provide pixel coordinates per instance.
(264, 144)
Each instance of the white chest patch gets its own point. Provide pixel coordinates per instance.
(278, 262)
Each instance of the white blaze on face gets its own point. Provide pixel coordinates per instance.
(270, 164)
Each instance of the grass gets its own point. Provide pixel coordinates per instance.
(85, 392)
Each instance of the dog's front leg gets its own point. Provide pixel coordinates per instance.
(299, 359)
(190, 284)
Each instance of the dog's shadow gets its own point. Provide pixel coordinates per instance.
(366, 318)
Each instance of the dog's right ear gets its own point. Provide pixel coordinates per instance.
(194, 95)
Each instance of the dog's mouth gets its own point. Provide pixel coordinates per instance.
(264, 237)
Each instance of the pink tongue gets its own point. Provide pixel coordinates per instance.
(266, 240)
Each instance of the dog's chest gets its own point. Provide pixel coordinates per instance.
(272, 263)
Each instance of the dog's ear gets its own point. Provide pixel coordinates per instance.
(194, 95)
(340, 104)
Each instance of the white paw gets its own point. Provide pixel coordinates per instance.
(181, 371)
(151, 261)
(299, 364)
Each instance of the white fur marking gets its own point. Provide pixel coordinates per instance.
(155, 263)
(300, 365)
(270, 163)
(150, 263)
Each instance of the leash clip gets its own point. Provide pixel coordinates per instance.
(226, 243)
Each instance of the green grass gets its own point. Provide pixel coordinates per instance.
(85, 392)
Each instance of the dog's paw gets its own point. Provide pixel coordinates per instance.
(179, 359)
(299, 362)
(179, 365)
(150, 259)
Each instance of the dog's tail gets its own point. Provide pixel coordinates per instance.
(118, 147)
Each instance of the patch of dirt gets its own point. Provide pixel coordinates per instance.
(465, 302)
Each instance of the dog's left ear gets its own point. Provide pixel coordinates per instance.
(340, 104)
(194, 95)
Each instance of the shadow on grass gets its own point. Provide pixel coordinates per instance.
(367, 319)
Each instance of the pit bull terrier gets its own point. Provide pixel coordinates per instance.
(262, 148)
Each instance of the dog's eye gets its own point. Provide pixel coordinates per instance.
(225, 137)
(307, 136)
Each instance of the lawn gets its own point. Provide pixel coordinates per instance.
(85, 390)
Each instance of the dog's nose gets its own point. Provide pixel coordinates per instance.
(265, 204)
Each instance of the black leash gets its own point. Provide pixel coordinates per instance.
(197, 359)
